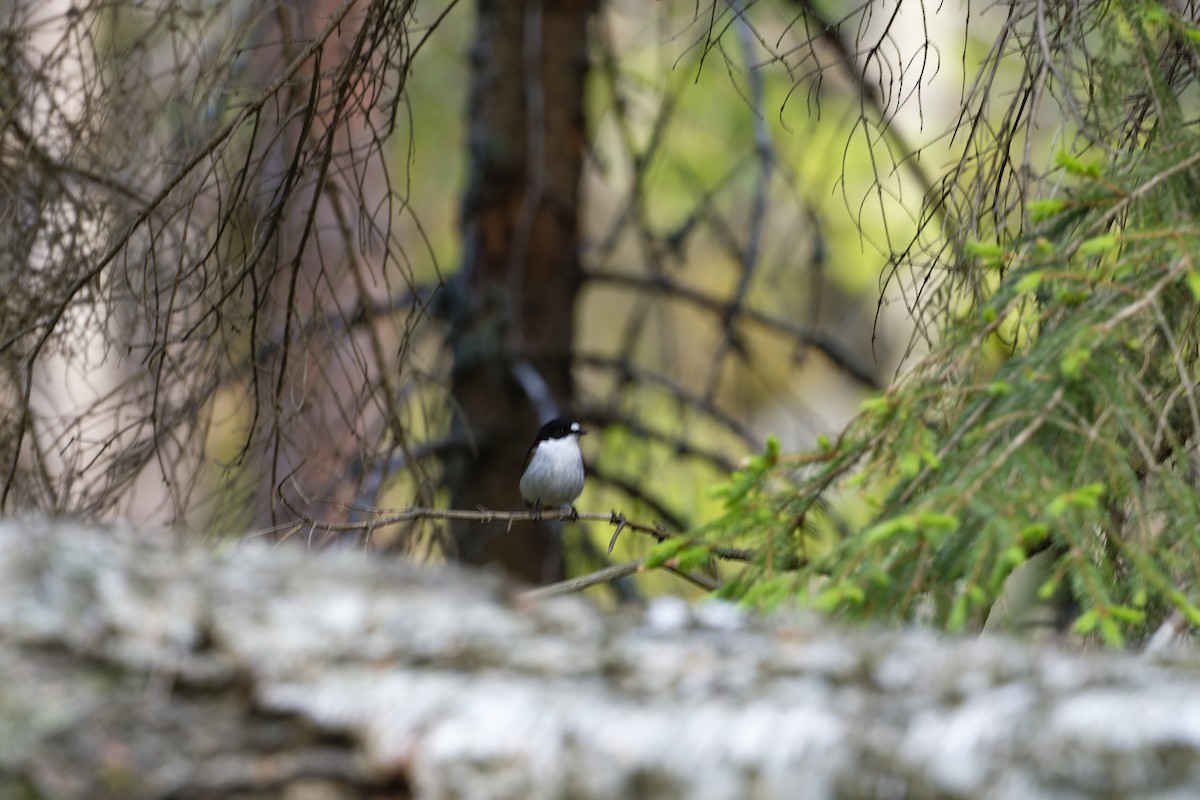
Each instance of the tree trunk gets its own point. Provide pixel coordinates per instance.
(314, 426)
(139, 669)
(512, 307)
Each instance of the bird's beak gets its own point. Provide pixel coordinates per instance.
(582, 431)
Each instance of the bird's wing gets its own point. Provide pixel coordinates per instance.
(529, 457)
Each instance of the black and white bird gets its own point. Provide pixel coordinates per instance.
(554, 472)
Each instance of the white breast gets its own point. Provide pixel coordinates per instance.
(555, 474)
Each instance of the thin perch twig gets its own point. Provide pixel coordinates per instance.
(381, 518)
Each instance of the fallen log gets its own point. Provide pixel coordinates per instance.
(138, 665)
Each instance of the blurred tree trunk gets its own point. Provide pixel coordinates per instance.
(329, 267)
(513, 306)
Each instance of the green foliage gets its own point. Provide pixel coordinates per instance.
(1046, 208)
(1080, 442)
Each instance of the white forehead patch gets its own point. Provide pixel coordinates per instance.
(575, 427)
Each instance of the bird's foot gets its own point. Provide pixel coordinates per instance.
(574, 515)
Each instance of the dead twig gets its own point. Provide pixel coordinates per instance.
(570, 585)
(377, 518)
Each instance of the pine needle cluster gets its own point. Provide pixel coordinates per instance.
(1057, 411)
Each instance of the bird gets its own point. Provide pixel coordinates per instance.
(554, 472)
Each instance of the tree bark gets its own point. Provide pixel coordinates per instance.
(136, 667)
(314, 426)
(514, 301)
